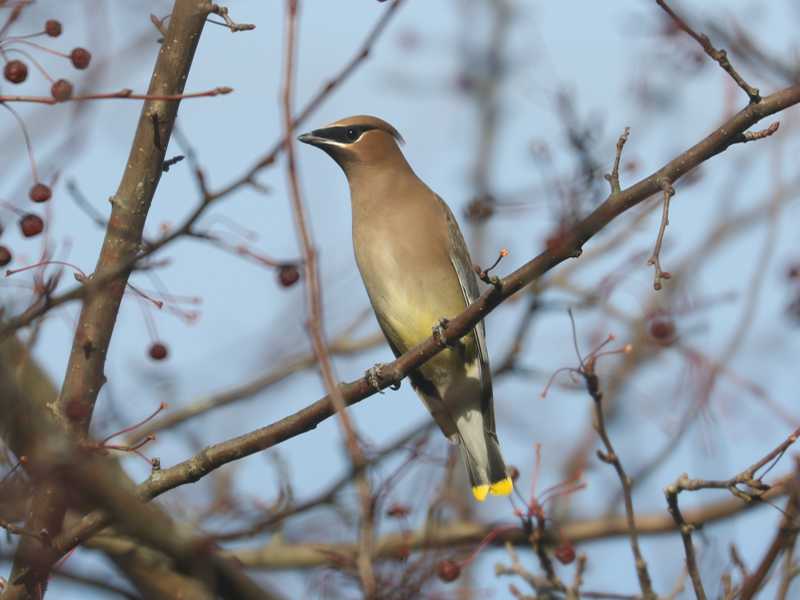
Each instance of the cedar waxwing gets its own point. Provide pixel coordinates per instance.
(417, 270)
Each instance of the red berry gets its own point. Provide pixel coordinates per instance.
(158, 351)
(480, 209)
(288, 275)
(5, 256)
(565, 553)
(40, 193)
(662, 329)
(61, 90)
(448, 570)
(31, 225)
(15, 71)
(52, 28)
(80, 58)
(398, 511)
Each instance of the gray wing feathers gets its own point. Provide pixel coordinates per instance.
(459, 257)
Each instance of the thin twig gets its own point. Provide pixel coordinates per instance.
(613, 177)
(361, 54)
(747, 477)
(222, 11)
(785, 537)
(315, 318)
(719, 56)
(124, 94)
(655, 258)
(611, 457)
(686, 530)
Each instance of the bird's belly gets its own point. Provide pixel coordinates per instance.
(409, 293)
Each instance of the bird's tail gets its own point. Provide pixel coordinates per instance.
(485, 465)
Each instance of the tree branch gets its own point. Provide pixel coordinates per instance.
(130, 205)
(283, 555)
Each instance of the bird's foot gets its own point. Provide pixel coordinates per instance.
(374, 376)
(439, 332)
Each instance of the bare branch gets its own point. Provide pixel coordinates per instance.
(655, 258)
(85, 370)
(222, 11)
(611, 457)
(613, 177)
(784, 538)
(719, 56)
(315, 323)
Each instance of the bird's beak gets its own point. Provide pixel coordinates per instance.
(310, 138)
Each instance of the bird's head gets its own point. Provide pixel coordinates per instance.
(358, 141)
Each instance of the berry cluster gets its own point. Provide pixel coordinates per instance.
(15, 71)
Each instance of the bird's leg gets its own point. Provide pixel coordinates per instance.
(439, 332)
(374, 375)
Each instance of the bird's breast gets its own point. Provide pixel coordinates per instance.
(408, 275)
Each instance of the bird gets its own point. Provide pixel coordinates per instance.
(417, 272)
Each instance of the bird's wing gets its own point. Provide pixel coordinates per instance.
(459, 257)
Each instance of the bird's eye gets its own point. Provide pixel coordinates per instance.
(352, 134)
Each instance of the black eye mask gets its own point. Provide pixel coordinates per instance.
(343, 134)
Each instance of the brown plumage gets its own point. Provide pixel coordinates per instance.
(417, 270)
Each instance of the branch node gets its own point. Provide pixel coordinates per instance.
(483, 274)
(222, 11)
(751, 136)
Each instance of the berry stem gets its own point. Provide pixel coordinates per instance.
(24, 129)
(35, 62)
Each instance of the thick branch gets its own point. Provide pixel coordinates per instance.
(130, 205)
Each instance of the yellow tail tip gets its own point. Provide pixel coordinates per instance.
(480, 492)
(499, 488)
(504, 487)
